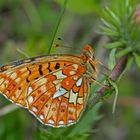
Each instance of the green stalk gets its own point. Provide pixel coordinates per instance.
(57, 25)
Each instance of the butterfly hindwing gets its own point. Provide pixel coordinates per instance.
(57, 99)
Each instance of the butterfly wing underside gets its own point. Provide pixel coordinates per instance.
(54, 90)
(56, 104)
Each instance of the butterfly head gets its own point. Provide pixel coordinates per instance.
(88, 51)
(91, 63)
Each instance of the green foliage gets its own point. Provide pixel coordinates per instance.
(81, 7)
(121, 25)
(114, 85)
(137, 59)
(15, 125)
(112, 59)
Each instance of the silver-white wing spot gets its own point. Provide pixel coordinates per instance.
(34, 109)
(72, 72)
(29, 90)
(79, 82)
(59, 75)
(50, 121)
(60, 92)
(41, 117)
(70, 121)
(30, 99)
(61, 122)
(75, 66)
(73, 97)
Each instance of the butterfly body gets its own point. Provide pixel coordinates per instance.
(53, 88)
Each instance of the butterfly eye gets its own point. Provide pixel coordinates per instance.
(88, 51)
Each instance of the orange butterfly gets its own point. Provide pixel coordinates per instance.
(53, 88)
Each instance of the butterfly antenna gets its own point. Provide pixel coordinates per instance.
(104, 66)
(102, 73)
(61, 43)
(22, 52)
(98, 83)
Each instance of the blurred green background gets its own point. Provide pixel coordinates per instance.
(29, 26)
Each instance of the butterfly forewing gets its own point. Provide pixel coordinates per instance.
(14, 85)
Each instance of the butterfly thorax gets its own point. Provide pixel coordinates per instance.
(90, 63)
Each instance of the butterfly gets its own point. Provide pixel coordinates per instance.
(54, 88)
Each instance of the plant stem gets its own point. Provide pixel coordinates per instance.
(118, 68)
(114, 75)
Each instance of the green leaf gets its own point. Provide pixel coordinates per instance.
(130, 62)
(119, 24)
(107, 24)
(124, 52)
(137, 59)
(113, 16)
(112, 60)
(114, 85)
(108, 31)
(114, 45)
